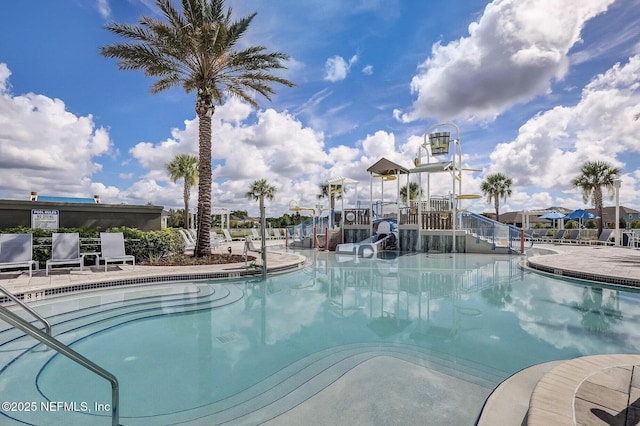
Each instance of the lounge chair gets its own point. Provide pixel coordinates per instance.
(215, 240)
(250, 246)
(65, 250)
(574, 237)
(559, 237)
(539, 235)
(604, 238)
(276, 234)
(112, 247)
(227, 236)
(255, 235)
(16, 250)
(189, 243)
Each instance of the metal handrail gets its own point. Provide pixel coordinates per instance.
(489, 228)
(60, 347)
(7, 293)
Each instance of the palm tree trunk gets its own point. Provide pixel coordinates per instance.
(598, 204)
(204, 109)
(496, 202)
(186, 194)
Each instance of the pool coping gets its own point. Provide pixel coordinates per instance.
(617, 266)
(39, 286)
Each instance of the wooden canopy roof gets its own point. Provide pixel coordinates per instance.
(387, 167)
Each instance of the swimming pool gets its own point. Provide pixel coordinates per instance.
(247, 351)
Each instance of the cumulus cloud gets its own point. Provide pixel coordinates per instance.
(551, 147)
(337, 68)
(512, 54)
(245, 147)
(39, 138)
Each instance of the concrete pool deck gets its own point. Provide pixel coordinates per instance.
(64, 279)
(600, 389)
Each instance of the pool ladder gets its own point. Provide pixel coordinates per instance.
(46, 339)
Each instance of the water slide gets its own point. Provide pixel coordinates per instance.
(386, 236)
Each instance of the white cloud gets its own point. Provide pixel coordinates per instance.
(512, 54)
(104, 8)
(368, 70)
(337, 68)
(551, 147)
(40, 139)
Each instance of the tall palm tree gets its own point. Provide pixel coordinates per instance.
(184, 166)
(496, 186)
(259, 190)
(197, 49)
(595, 175)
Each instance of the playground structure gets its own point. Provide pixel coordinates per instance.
(304, 235)
(428, 223)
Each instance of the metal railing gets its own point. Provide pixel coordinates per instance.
(63, 349)
(496, 233)
(27, 308)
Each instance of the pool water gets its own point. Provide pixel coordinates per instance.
(246, 351)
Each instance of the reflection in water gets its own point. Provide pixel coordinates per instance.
(471, 306)
(479, 317)
(597, 315)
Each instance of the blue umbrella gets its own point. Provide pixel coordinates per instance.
(552, 215)
(581, 214)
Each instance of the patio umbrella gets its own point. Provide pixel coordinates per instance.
(553, 215)
(581, 214)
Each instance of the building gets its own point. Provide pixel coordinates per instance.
(52, 212)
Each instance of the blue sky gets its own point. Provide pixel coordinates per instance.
(536, 87)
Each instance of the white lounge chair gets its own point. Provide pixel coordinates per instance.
(65, 250)
(189, 242)
(276, 234)
(112, 247)
(227, 236)
(250, 246)
(255, 235)
(16, 250)
(215, 240)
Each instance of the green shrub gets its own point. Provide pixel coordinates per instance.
(151, 245)
(145, 246)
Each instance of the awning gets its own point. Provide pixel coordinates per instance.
(387, 167)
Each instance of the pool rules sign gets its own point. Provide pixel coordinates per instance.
(45, 219)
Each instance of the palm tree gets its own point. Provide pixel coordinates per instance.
(184, 166)
(197, 49)
(324, 193)
(414, 192)
(259, 190)
(594, 175)
(496, 186)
